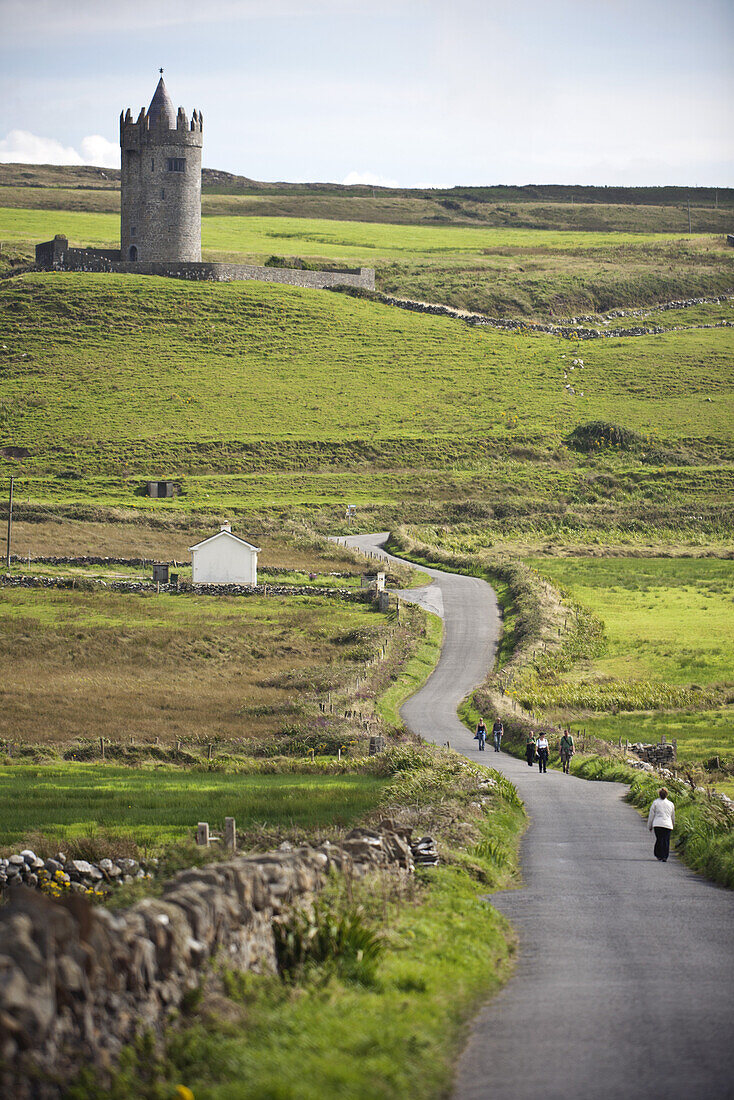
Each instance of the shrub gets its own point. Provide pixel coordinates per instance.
(600, 433)
(492, 849)
(327, 937)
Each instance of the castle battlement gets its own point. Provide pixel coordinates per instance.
(141, 131)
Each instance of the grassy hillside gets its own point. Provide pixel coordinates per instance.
(265, 398)
(219, 182)
(400, 209)
(93, 362)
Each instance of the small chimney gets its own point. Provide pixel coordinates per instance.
(226, 527)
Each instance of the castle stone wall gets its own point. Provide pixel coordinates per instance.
(101, 260)
(228, 273)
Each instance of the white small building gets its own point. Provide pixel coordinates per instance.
(224, 558)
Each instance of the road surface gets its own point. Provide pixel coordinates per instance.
(625, 982)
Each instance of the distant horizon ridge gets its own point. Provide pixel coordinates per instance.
(106, 172)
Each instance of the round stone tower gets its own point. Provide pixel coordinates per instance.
(161, 183)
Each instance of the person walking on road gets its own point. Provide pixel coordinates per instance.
(481, 734)
(542, 747)
(497, 730)
(661, 819)
(567, 750)
(530, 749)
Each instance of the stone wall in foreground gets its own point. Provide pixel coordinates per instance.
(77, 982)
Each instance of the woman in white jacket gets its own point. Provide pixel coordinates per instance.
(662, 819)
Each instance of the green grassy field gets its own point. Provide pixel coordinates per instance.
(669, 634)
(701, 735)
(333, 240)
(113, 573)
(155, 808)
(667, 619)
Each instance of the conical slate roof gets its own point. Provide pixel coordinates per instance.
(161, 105)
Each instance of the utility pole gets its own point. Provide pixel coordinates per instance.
(10, 520)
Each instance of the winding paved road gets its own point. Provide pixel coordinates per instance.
(625, 982)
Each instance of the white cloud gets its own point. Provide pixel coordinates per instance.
(101, 152)
(22, 147)
(25, 148)
(369, 179)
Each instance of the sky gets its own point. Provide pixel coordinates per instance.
(410, 93)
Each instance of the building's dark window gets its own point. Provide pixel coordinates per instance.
(133, 230)
(176, 164)
(152, 164)
(133, 252)
(163, 193)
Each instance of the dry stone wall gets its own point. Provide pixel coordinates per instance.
(77, 982)
(657, 755)
(353, 595)
(573, 327)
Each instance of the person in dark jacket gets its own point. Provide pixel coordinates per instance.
(497, 730)
(530, 749)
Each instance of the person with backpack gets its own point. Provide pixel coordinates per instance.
(481, 734)
(497, 730)
(567, 750)
(542, 748)
(530, 749)
(662, 819)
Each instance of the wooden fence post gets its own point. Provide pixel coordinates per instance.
(202, 834)
(230, 834)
